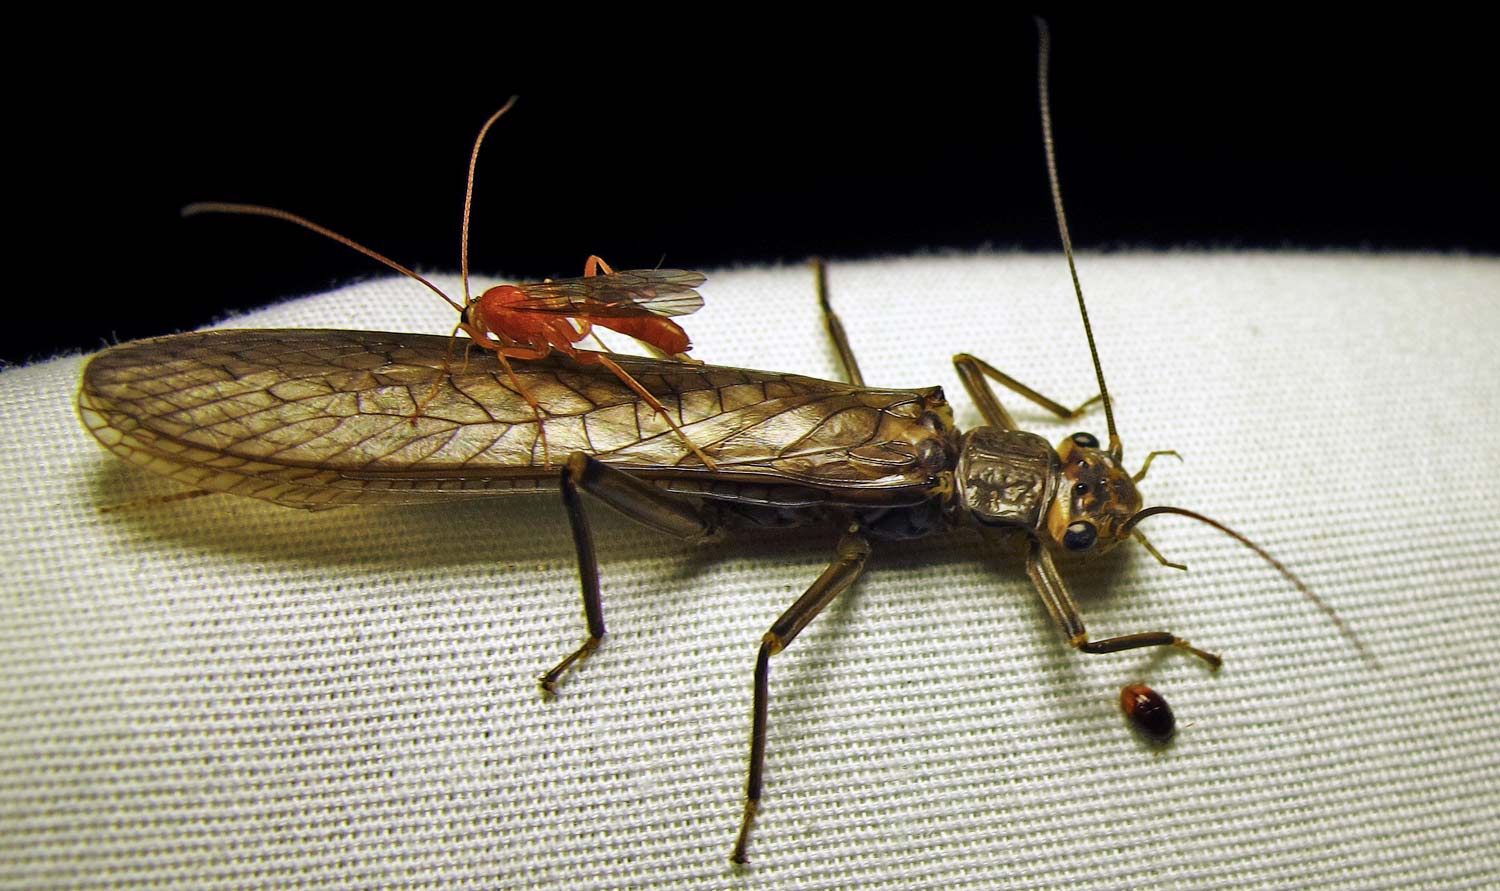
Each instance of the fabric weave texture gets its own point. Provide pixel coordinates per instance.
(220, 693)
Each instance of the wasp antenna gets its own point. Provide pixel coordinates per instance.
(1043, 63)
(256, 210)
(1264, 555)
(463, 248)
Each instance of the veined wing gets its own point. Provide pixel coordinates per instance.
(632, 292)
(314, 418)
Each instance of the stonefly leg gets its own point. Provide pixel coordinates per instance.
(853, 551)
(635, 498)
(972, 371)
(1064, 610)
(835, 326)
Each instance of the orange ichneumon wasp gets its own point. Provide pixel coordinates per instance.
(532, 321)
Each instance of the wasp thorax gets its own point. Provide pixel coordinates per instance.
(1094, 498)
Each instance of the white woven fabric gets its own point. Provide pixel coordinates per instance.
(219, 693)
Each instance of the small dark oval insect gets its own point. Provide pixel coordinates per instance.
(1148, 712)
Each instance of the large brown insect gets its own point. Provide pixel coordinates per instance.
(316, 419)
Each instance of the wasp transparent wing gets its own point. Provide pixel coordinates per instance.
(630, 293)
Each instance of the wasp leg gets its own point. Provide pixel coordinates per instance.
(973, 371)
(1054, 594)
(835, 327)
(853, 551)
(593, 264)
(656, 406)
(639, 500)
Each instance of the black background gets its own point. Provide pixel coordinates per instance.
(702, 144)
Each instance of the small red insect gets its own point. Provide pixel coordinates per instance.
(1148, 712)
(530, 321)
